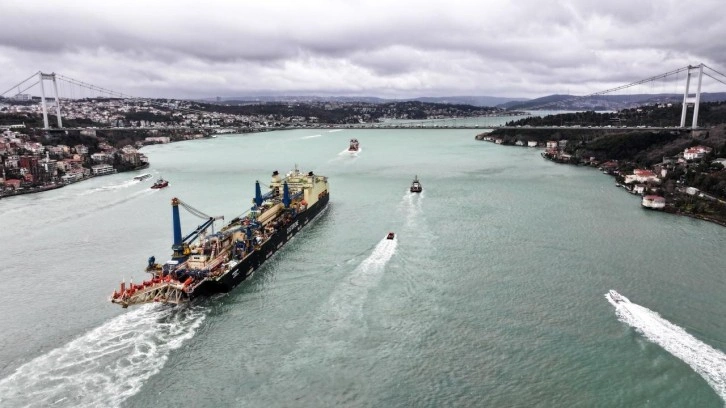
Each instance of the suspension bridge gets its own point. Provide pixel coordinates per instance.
(62, 95)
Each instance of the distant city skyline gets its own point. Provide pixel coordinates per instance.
(403, 49)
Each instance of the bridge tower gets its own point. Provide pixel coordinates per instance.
(692, 100)
(42, 77)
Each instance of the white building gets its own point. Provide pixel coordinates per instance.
(641, 176)
(101, 169)
(531, 143)
(100, 157)
(696, 152)
(653, 202)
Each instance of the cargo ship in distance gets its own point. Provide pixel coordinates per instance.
(217, 262)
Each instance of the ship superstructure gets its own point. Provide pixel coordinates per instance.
(205, 263)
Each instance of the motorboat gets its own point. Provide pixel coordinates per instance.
(617, 297)
(416, 185)
(143, 177)
(390, 235)
(160, 183)
(354, 145)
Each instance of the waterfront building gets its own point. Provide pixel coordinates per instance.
(653, 202)
(102, 169)
(641, 176)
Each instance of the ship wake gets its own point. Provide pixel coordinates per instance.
(708, 362)
(115, 186)
(105, 366)
(347, 302)
(347, 152)
(412, 207)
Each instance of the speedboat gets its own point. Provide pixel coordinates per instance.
(353, 145)
(416, 186)
(160, 183)
(390, 235)
(617, 297)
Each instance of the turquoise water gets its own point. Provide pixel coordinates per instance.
(492, 293)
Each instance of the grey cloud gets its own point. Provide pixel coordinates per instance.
(518, 48)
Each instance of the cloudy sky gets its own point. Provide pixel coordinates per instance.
(389, 48)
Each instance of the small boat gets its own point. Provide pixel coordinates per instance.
(416, 186)
(617, 297)
(353, 145)
(390, 235)
(160, 183)
(143, 177)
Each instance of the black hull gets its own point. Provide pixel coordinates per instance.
(254, 261)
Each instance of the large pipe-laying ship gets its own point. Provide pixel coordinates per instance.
(218, 262)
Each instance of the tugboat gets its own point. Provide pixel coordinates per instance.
(391, 235)
(160, 183)
(416, 186)
(353, 145)
(206, 262)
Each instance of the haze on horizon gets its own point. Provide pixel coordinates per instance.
(401, 49)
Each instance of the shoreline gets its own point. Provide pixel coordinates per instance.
(56, 186)
(667, 210)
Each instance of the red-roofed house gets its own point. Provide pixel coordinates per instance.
(696, 152)
(641, 176)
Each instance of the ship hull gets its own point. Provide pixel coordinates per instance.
(246, 267)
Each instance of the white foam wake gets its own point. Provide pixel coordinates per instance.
(112, 187)
(123, 184)
(105, 366)
(347, 152)
(412, 207)
(310, 137)
(335, 130)
(708, 362)
(348, 299)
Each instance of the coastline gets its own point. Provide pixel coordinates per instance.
(56, 186)
(667, 209)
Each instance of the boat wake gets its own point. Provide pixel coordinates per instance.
(708, 362)
(112, 187)
(412, 207)
(310, 137)
(348, 300)
(347, 152)
(105, 366)
(335, 130)
(118, 186)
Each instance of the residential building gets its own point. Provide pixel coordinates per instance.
(696, 152)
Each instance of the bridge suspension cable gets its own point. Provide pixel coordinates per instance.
(34, 75)
(706, 66)
(714, 78)
(617, 88)
(94, 87)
